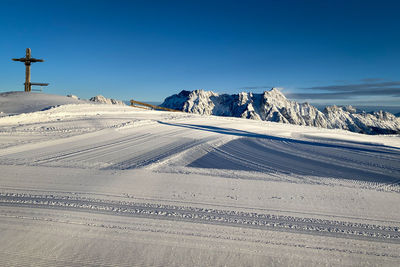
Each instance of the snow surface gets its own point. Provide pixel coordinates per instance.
(89, 184)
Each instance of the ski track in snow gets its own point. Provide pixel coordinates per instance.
(246, 152)
(127, 152)
(203, 215)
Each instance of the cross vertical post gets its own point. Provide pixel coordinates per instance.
(27, 77)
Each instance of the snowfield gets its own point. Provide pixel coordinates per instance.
(100, 185)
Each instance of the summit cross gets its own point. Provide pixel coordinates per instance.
(28, 60)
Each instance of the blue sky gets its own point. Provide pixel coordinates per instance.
(318, 51)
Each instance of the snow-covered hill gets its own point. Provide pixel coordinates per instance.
(274, 106)
(12, 103)
(24, 102)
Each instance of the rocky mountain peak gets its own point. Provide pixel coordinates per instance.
(103, 100)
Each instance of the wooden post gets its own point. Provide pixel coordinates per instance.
(27, 77)
(28, 60)
(28, 70)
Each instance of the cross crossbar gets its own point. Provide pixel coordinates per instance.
(40, 84)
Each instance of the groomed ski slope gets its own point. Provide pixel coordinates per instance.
(101, 185)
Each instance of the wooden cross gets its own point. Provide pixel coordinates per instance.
(28, 60)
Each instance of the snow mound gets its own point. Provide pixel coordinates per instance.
(103, 100)
(18, 102)
(73, 96)
(274, 106)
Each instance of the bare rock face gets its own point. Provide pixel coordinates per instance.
(103, 100)
(274, 106)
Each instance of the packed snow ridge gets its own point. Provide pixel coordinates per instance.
(274, 106)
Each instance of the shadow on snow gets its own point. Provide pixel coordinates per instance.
(265, 153)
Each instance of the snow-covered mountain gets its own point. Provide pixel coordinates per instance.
(103, 100)
(274, 106)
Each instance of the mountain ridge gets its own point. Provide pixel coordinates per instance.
(274, 106)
